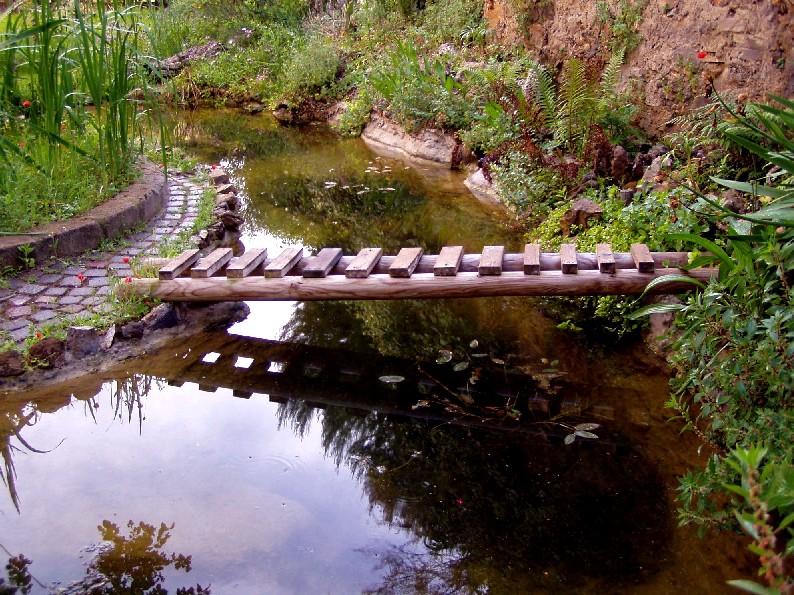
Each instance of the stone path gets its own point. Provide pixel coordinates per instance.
(64, 289)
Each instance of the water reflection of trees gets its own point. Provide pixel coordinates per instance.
(125, 564)
(498, 512)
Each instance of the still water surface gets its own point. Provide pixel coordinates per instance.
(280, 463)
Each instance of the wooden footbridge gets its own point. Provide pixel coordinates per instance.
(411, 274)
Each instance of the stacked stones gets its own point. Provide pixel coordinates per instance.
(225, 232)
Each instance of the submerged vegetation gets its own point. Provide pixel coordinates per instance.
(77, 89)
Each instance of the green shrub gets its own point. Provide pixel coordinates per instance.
(526, 187)
(356, 116)
(312, 69)
(456, 21)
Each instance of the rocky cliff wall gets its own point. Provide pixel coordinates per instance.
(743, 46)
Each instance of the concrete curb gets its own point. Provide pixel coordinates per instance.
(136, 204)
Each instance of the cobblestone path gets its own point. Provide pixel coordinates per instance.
(63, 289)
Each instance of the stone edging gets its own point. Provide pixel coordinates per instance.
(138, 203)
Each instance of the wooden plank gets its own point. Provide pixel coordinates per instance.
(605, 258)
(243, 265)
(568, 262)
(532, 259)
(405, 262)
(448, 261)
(420, 286)
(325, 260)
(279, 266)
(176, 266)
(363, 264)
(642, 258)
(491, 260)
(212, 262)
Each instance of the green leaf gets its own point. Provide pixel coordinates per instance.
(655, 309)
(718, 252)
(587, 426)
(569, 439)
(584, 434)
(752, 587)
(460, 366)
(391, 379)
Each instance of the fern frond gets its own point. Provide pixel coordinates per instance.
(575, 105)
(610, 78)
(546, 96)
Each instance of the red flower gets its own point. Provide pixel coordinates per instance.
(21, 143)
(128, 280)
(702, 54)
(460, 502)
(213, 166)
(125, 260)
(26, 103)
(81, 277)
(39, 335)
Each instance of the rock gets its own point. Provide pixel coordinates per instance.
(661, 330)
(230, 201)
(580, 214)
(133, 330)
(230, 220)
(218, 176)
(429, 144)
(47, 353)
(161, 317)
(620, 164)
(226, 188)
(481, 188)
(653, 174)
(284, 114)
(11, 363)
(82, 341)
(733, 201)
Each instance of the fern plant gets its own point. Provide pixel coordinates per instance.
(571, 111)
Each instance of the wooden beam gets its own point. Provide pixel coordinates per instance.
(363, 264)
(448, 261)
(605, 258)
(211, 263)
(491, 260)
(568, 262)
(642, 258)
(532, 259)
(321, 264)
(420, 286)
(283, 262)
(243, 265)
(405, 262)
(178, 265)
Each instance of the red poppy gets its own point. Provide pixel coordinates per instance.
(81, 277)
(213, 166)
(26, 103)
(125, 260)
(460, 502)
(39, 335)
(702, 54)
(128, 280)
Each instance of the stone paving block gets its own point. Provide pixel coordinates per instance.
(104, 291)
(13, 325)
(19, 300)
(21, 334)
(50, 278)
(44, 315)
(92, 301)
(73, 308)
(45, 300)
(82, 291)
(96, 273)
(19, 311)
(73, 270)
(31, 289)
(98, 282)
(71, 300)
(56, 291)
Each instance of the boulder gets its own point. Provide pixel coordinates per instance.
(580, 214)
(47, 353)
(11, 363)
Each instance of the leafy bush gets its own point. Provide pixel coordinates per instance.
(527, 187)
(311, 69)
(734, 360)
(457, 21)
(355, 117)
(420, 92)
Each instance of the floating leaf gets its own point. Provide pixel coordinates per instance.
(474, 344)
(391, 379)
(444, 356)
(467, 399)
(460, 366)
(479, 355)
(569, 439)
(420, 405)
(584, 434)
(474, 378)
(587, 426)
(497, 361)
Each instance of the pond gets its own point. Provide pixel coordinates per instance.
(348, 447)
